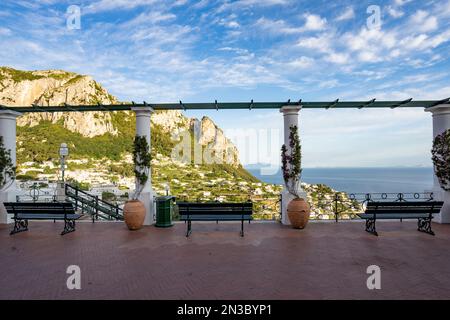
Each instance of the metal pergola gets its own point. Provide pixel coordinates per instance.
(336, 104)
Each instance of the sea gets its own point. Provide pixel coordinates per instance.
(361, 180)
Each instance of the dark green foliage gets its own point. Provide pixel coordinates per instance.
(7, 169)
(25, 177)
(108, 196)
(441, 158)
(161, 141)
(80, 185)
(237, 173)
(141, 160)
(124, 170)
(34, 149)
(291, 162)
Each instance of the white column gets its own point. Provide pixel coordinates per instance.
(290, 114)
(143, 129)
(8, 132)
(441, 123)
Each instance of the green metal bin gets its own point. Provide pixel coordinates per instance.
(164, 211)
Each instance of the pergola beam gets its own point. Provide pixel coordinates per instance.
(336, 104)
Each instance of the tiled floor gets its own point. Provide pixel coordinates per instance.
(323, 261)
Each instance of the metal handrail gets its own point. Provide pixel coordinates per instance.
(93, 204)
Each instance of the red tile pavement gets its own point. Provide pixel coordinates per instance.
(323, 261)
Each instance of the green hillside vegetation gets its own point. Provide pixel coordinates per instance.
(20, 75)
(41, 143)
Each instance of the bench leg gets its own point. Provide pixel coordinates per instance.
(424, 225)
(19, 226)
(188, 232)
(370, 226)
(69, 226)
(242, 228)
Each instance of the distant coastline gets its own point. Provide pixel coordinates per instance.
(365, 180)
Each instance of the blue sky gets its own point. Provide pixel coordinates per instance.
(266, 50)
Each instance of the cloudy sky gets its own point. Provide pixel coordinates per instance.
(266, 50)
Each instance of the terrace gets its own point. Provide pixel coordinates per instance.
(327, 260)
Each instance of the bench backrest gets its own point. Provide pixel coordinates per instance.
(219, 208)
(39, 207)
(404, 207)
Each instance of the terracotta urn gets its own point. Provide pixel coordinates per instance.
(298, 212)
(134, 214)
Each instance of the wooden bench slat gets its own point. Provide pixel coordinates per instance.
(396, 211)
(230, 217)
(48, 216)
(392, 216)
(215, 211)
(405, 203)
(212, 204)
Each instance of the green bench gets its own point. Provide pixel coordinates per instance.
(215, 211)
(421, 210)
(24, 211)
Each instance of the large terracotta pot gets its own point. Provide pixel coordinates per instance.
(298, 212)
(134, 214)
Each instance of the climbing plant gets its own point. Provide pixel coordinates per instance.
(142, 160)
(291, 160)
(7, 169)
(441, 159)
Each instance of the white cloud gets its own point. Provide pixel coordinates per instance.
(180, 3)
(423, 21)
(348, 14)
(301, 63)
(338, 58)
(401, 2)
(320, 43)
(394, 12)
(108, 5)
(314, 22)
(5, 31)
(276, 26)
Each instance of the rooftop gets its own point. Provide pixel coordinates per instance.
(326, 260)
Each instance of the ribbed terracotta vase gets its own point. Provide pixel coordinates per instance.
(134, 214)
(298, 211)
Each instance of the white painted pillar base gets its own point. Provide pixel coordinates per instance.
(143, 129)
(61, 191)
(290, 115)
(8, 195)
(441, 123)
(8, 132)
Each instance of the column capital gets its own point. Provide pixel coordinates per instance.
(9, 114)
(290, 110)
(142, 110)
(439, 109)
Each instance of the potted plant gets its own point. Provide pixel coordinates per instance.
(298, 209)
(441, 159)
(134, 209)
(7, 169)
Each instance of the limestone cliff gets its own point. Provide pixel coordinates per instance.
(57, 87)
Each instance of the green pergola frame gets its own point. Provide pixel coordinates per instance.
(336, 104)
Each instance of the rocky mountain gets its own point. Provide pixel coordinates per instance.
(57, 87)
(100, 145)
